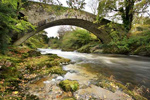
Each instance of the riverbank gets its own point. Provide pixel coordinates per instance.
(85, 73)
(22, 65)
(25, 71)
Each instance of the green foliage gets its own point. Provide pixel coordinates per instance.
(58, 10)
(10, 77)
(9, 22)
(124, 9)
(76, 4)
(16, 71)
(68, 85)
(7, 13)
(90, 47)
(76, 39)
(85, 48)
(56, 70)
(54, 43)
(37, 41)
(108, 85)
(24, 26)
(136, 44)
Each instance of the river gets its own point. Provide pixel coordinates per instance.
(86, 68)
(127, 69)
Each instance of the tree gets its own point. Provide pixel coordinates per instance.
(124, 9)
(76, 4)
(93, 6)
(9, 22)
(59, 3)
(63, 30)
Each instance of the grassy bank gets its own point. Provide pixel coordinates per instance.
(138, 43)
(21, 65)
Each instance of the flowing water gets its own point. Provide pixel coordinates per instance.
(86, 67)
(127, 69)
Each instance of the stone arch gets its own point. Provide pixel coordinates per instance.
(45, 15)
(101, 34)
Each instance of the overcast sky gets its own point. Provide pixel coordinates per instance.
(52, 31)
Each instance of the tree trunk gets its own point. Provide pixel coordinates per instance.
(128, 14)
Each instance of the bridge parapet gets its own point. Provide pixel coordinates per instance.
(40, 14)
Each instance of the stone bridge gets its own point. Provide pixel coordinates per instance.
(44, 16)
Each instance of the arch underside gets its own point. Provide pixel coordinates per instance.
(102, 34)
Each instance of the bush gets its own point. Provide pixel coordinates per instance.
(143, 51)
(136, 44)
(37, 41)
(73, 40)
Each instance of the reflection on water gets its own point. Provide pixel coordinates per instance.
(127, 69)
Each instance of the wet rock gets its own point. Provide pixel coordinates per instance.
(54, 75)
(97, 93)
(59, 78)
(67, 94)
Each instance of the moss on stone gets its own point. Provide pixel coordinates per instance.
(69, 85)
